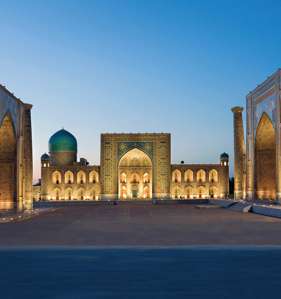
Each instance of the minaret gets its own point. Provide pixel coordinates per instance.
(239, 153)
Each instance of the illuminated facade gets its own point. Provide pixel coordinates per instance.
(133, 166)
(15, 153)
(62, 177)
(258, 163)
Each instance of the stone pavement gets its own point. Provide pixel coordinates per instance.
(141, 224)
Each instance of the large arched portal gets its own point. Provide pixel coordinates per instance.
(8, 162)
(135, 175)
(265, 159)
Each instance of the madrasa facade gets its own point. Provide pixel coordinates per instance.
(132, 167)
(257, 158)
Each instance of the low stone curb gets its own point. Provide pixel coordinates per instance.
(244, 207)
(16, 217)
(223, 203)
(272, 211)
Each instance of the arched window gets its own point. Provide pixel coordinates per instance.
(201, 176)
(56, 194)
(56, 177)
(201, 192)
(123, 192)
(146, 178)
(81, 177)
(189, 192)
(69, 177)
(93, 177)
(213, 176)
(68, 194)
(177, 193)
(146, 192)
(213, 192)
(176, 176)
(81, 194)
(123, 178)
(188, 176)
(135, 178)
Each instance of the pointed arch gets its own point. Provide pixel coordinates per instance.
(81, 194)
(146, 178)
(135, 157)
(176, 192)
(265, 158)
(81, 177)
(8, 163)
(94, 193)
(56, 177)
(93, 177)
(68, 194)
(176, 176)
(213, 192)
(189, 192)
(135, 175)
(188, 175)
(201, 176)
(123, 178)
(69, 177)
(56, 194)
(213, 176)
(201, 192)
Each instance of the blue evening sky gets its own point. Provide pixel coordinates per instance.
(138, 66)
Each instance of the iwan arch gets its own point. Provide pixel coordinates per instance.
(258, 162)
(15, 153)
(135, 175)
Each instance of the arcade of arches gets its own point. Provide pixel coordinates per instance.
(190, 183)
(74, 184)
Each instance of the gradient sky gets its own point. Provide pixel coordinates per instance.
(138, 66)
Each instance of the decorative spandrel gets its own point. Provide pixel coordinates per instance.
(125, 146)
(267, 106)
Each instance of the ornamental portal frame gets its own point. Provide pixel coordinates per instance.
(263, 163)
(135, 165)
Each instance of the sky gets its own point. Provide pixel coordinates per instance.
(138, 66)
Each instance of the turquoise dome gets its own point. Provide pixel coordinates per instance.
(62, 141)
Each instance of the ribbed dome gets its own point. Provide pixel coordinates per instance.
(62, 141)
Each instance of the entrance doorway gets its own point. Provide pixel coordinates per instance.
(135, 175)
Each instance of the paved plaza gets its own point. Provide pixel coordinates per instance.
(141, 224)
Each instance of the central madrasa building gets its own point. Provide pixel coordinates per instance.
(132, 167)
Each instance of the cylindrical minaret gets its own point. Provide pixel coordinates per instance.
(224, 179)
(45, 176)
(239, 153)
